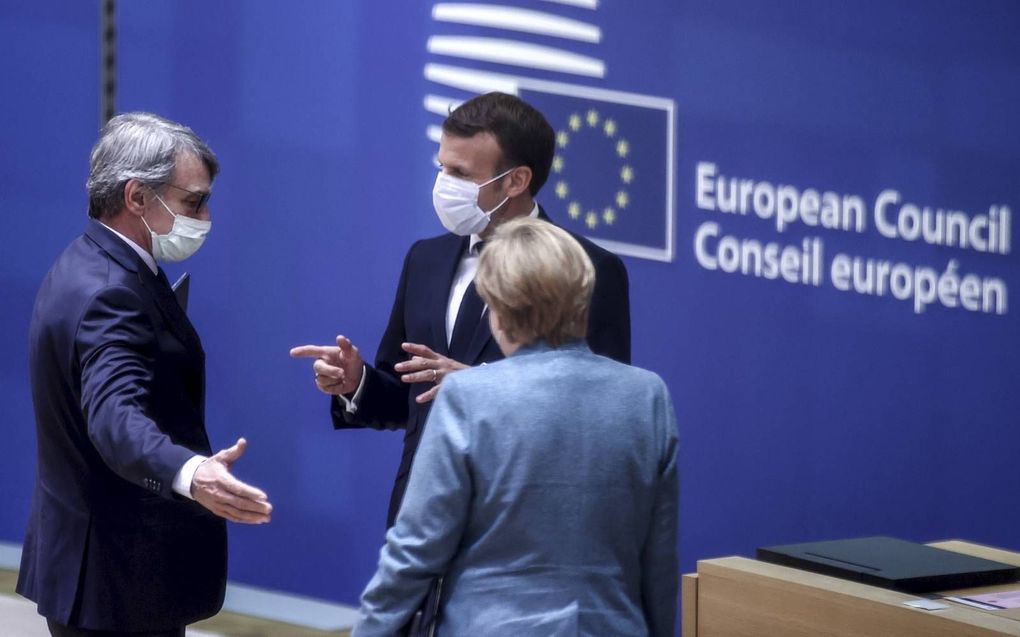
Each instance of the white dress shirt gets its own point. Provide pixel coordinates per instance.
(463, 277)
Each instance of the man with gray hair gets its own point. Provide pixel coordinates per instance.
(126, 533)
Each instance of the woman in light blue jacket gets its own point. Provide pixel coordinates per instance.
(544, 491)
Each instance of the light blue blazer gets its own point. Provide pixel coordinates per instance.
(545, 491)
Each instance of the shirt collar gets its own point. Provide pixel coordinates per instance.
(475, 239)
(142, 252)
(541, 345)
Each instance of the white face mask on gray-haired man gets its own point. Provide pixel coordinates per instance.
(186, 235)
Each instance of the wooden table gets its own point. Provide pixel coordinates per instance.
(740, 597)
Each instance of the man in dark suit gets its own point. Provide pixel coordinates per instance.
(125, 534)
(496, 152)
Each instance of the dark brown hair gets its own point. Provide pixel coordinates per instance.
(523, 134)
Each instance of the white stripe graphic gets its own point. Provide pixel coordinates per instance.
(485, 81)
(513, 19)
(516, 53)
(470, 80)
(584, 4)
(440, 105)
(434, 133)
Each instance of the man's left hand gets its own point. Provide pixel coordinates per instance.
(425, 366)
(216, 489)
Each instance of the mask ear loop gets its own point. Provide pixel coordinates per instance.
(499, 176)
(165, 207)
(146, 223)
(506, 199)
(162, 203)
(500, 205)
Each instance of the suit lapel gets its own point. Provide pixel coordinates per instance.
(480, 339)
(179, 323)
(159, 290)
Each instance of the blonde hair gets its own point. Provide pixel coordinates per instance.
(538, 280)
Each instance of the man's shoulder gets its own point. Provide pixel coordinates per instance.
(442, 244)
(81, 265)
(438, 242)
(80, 274)
(595, 252)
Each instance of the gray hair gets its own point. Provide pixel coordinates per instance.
(139, 146)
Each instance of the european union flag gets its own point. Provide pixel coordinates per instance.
(612, 175)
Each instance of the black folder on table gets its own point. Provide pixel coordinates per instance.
(892, 563)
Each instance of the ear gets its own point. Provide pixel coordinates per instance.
(520, 179)
(136, 195)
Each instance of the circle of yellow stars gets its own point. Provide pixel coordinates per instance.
(576, 124)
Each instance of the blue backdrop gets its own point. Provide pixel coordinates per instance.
(806, 410)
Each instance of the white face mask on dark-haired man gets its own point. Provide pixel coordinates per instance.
(456, 203)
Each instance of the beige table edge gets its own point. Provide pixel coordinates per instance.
(788, 581)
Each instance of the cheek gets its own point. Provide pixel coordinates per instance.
(156, 221)
(485, 199)
(490, 196)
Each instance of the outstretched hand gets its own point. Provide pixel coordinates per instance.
(337, 369)
(426, 366)
(216, 489)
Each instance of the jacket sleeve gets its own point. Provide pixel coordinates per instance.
(383, 401)
(116, 345)
(431, 522)
(659, 576)
(609, 316)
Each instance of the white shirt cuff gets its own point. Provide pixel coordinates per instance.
(351, 404)
(182, 481)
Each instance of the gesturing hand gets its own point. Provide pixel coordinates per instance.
(337, 369)
(217, 490)
(426, 366)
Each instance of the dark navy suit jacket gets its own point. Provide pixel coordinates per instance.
(118, 384)
(419, 316)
